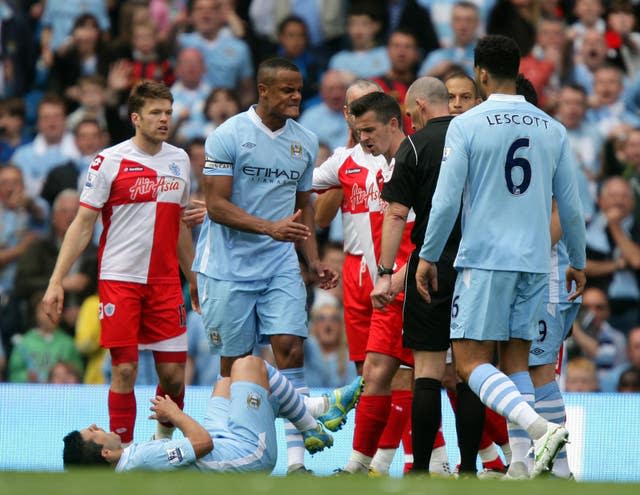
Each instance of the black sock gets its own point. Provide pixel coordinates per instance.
(469, 426)
(425, 420)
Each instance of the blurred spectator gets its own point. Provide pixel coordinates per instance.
(364, 58)
(83, 55)
(92, 97)
(293, 44)
(35, 352)
(586, 144)
(610, 383)
(21, 222)
(549, 62)
(325, 119)
(464, 23)
(59, 17)
(441, 10)
(148, 59)
(333, 257)
(166, 15)
(608, 111)
(52, 145)
(629, 381)
(409, 15)
(87, 340)
(227, 58)
(326, 354)
(17, 51)
(613, 253)
(203, 367)
(72, 175)
(626, 163)
(404, 56)
(516, 19)
(35, 266)
(592, 55)
(324, 21)
(64, 373)
(622, 38)
(220, 105)
(581, 376)
(593, 337)
(189, 93)
(13, 131)
(589, 16)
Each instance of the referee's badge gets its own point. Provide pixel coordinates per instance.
(296, 150)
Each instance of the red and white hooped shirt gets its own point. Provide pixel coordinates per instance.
(361, 177)
(141, 197)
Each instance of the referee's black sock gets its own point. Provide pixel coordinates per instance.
(469, 426)
(425, 420)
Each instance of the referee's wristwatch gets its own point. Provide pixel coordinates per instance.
(384, 271)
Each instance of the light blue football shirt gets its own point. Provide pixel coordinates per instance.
(268, 169)
(507, 157)
(157, 455)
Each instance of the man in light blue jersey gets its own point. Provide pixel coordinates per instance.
(258, 175)
(509, 158)
(237, 434)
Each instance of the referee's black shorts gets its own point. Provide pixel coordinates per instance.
(426, 326)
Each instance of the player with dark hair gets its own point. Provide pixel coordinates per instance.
(258, 175)
(503, 260)
(238, 432)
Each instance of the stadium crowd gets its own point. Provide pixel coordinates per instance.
(68, 67)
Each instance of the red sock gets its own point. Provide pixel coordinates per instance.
(495, 465)
(178, 399)
(122, 414)
(496, 426)
(439, 440)
(399, 416)
(372, 413)
(407, 444)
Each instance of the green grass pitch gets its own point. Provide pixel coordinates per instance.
(191, 483)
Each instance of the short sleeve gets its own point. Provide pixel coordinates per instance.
(402, 184)
(219, 152)
(306, 181)
(97, 186)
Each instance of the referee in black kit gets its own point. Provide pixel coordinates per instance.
(426, 326)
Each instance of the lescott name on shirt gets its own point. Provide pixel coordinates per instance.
(516, 119)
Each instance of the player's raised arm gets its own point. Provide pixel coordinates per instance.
(75, 241)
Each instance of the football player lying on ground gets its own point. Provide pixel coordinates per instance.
(238, 432)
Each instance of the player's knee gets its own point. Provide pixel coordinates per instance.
(289, 354)
(124, 374)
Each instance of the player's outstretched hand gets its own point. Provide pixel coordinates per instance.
(163, 408)
(195, 213)
(326, 277)
(52, 302)
(290, 229)
(580, 279)
(426, 277)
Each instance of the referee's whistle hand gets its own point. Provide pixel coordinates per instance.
(426, 277)
(289, 229)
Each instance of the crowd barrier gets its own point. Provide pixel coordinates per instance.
(604, 429)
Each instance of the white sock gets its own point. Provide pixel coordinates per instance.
(382, 460)
(358, 462)
(316, 406)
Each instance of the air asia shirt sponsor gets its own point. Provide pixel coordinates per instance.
(146, 187)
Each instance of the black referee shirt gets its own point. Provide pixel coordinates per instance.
(415, 176)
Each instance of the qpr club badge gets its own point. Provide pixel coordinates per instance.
(175, 170)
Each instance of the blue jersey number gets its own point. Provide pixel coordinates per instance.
(517, 162)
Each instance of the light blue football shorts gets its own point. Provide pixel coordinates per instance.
(554, 324)
(497, 305)
(242, 429)
(237, 313)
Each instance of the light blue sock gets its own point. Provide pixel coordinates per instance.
(291, 403)
(519, 439)
(295, 443)
(550, 405)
